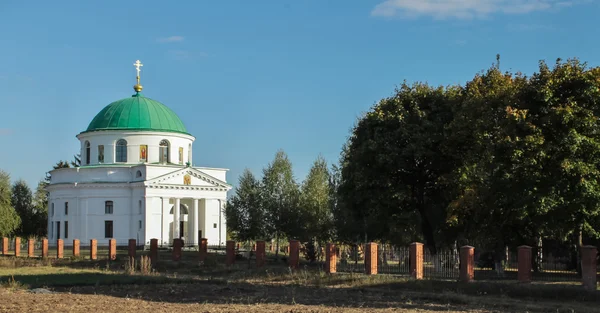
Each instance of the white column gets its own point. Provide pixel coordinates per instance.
(176, 213)
(165, 237)
(195, 223)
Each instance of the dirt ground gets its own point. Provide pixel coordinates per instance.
(252, 298)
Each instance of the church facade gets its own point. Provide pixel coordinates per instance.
(136, 181)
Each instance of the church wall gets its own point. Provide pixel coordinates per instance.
(134, 141)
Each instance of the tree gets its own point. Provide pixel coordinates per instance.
(499, 161)
(395, 168)
(40, 207)
(9, 219)
(60, 164)
(280, 199)
(564, 103)
(22, 201)
(76, 160)
(315, 207)
(244, 212)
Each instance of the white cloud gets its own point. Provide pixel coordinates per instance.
(170, 39)
(464, 9)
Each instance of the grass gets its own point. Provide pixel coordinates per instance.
(274, 286)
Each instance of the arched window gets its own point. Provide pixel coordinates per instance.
(87, 152)
(121, 151)
(52, 210)
(183, 209)
(163, 147)
(138, 174)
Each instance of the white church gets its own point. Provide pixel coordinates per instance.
(136, 181)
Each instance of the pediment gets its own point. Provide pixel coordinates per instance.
(188, 177)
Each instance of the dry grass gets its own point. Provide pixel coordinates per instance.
(131, 285)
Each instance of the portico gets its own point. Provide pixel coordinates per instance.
(191, 219)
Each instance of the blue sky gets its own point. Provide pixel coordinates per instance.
(250, 77)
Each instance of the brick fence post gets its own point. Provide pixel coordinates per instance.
(17, 246)
(371, 258)
(93, 249)
(416, 260)
(330, 259)
(76, 248)
(294, 254)
(588, 267)
(132, 248)
(45, 248)
(4, 245)
(260, 253)
(154, 250)
(177, 244)
(203, 249)
(467, 264)
(112, 249)
(60, 245)
(30, 247)
(524, 260)
(230, 252)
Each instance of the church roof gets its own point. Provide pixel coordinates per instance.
(137, 113)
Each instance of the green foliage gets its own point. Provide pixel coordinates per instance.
(504, 160)
(22, 201)
(281, 198)
(315, 202)
(245, 212)
(9, 219)
(394, 169)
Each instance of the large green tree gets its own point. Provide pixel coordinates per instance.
(564, 104)
(499, 163)
(280, 199)
(9, 219)
(395, 166)
(245, 212)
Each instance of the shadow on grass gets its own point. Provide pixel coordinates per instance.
(212, 282)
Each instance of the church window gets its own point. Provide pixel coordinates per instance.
(66, 208)
(108, 207)
(140, 224)
(101, 154)
(143, 153)
(140, 207)
(180, 155)
(52, 209)
(121, 151)
(108, 229)
(66, 229)
(138, 174)
(87, 152)
(163, 148)
(215, 225)
(58, 230)
(51, 229)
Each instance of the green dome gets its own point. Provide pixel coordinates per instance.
(137, 113)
